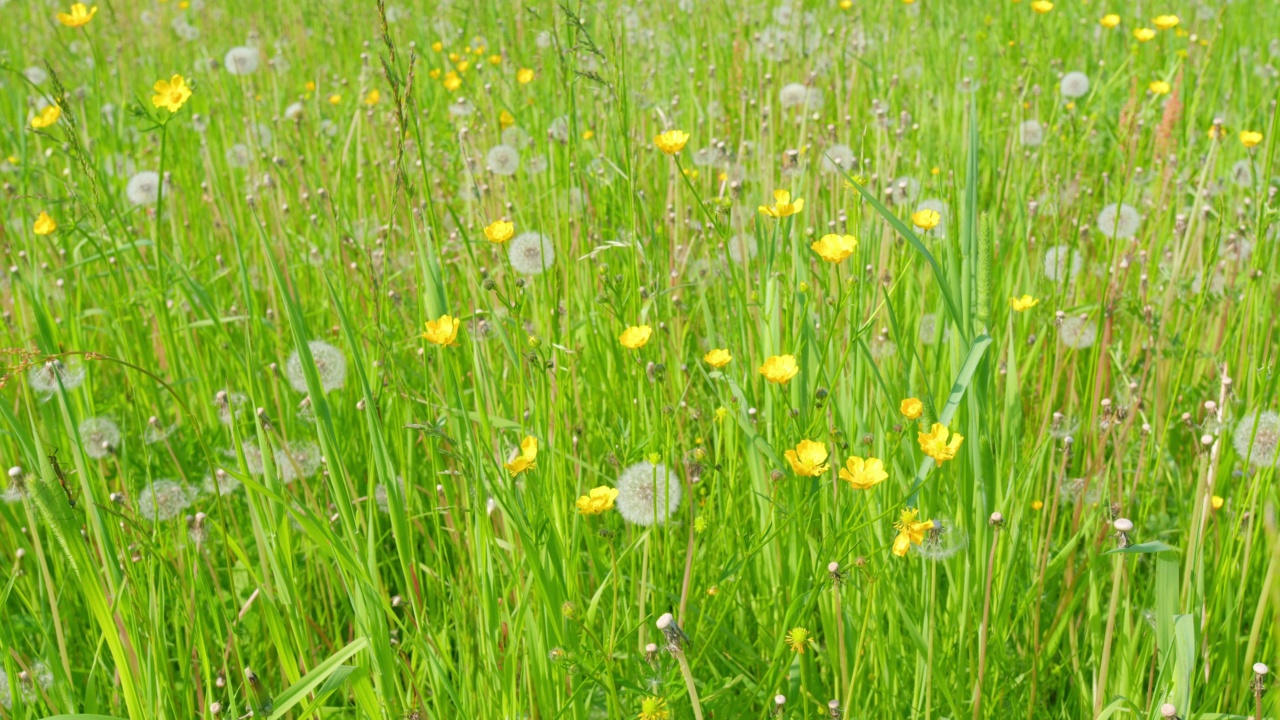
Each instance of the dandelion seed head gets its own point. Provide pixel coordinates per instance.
(100, 436)
(647, 494)
(1077, 332)
(299, 460)
(838, 157)
(1257, 438)
(241, 60)
(330, 363)
(1062, 263)
(742, 246)
(1074, 84)
(55, 374)
(164, 500)
(1031, 133)
(1119, 221)
(531, 253)
(143, 188)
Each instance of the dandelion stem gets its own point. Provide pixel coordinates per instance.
(688, 683)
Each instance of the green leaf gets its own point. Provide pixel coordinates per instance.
(316, 678)
(1142, 548)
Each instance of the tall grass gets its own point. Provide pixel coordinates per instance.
(245, 483)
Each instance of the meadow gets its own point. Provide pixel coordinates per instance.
(787, 358)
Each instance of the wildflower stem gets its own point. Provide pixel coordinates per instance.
(688, 560)
(688, 683)
(982, 633)
(1117, 572)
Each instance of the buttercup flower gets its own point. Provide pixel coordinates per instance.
(671, 141)
(911, 408)
(910, 532)
(1159, 87)
(654, 708)
(599, 500)
(635, 337)
(834, 248)
(1248, 138)
(797, 639)
(1166, 22)
(780, 368)
(926, 219)
(524, 76)
(443, 332)
(717, 358)
(808, 459)
(372, 97)
(1109, 21)
(783, 205)
(527, 460)
(79, 15)
(499, 231)
(935, 444)
(171, 94)
(863, 474)
(45, 224)
(1042, 6)
(1144, 34)
(46, 117)
(1026, 302)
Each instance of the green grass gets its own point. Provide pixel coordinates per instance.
(369, 556)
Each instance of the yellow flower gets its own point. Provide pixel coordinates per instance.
(51, 113)
(499, 231)
(506, 119)
(834, 248)
(911, 408)
(372, 97)
(910, 532)
(926, 219)
(524, 76)
(808, 459)
(171, 94)
(442, 332)
(635, 337)
(452, 81)
(79, 15)
(797, 638)
(846, 4)
(527, 459)
(654, 708)
(717, 358)
(935, 444)
(45, 224)
(311, 86)
(1042, 6)
(1144, 34)
(1159, 87)
(463, 66)
(334, 99)
(495, 59)
(599, 500)
(437, 46)
(1166, 22)
(1248, 138)
(1026, 302)
(1109, 21)
(783, 206)
(1037, 505)
(863, 474)
(1216, 502)
(779, 368)
(671, 141)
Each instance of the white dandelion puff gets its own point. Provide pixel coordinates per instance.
(143, 188)
(35, 75)
(1074, 84)
(299, 460)
(837, 158)
(503, 160)
(1077, 332)
(1242, 173)
(742, 246)
(531, 253)
(164, 500)
(647, 494)
(1119, 221)
(55, 374)
(100, 437)
(1061, 263)
(1257, 438)
(1031, 133)
(330, 364)
(516, 137)
(793, 95)
(241, 60)
(220, 483)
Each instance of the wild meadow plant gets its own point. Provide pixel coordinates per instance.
(798, 358)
